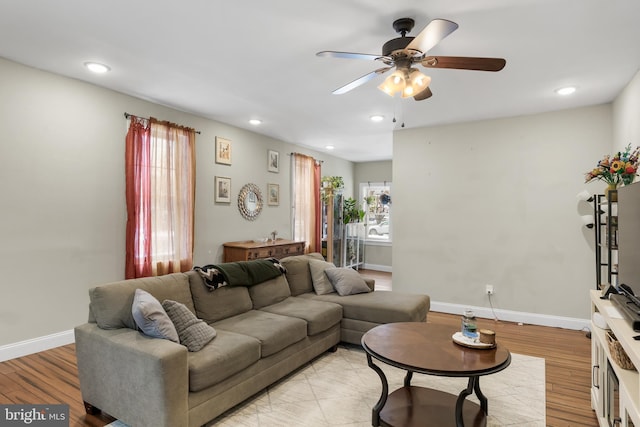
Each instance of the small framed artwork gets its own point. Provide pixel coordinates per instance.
(223, 189)
(223, 151)
(273, 161)
(273, 194)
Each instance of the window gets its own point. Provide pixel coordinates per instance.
(376, 199)
(160, 180)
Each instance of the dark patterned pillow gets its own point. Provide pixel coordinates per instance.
(213, 278)
(194, 333)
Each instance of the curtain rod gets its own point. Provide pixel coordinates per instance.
(300, 154)
(127, 115)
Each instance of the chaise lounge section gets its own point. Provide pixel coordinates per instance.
(262, 333)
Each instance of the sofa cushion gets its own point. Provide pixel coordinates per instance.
(226, 355)
(319, 315)
(111, 303)
(151, 318)
(218, 304)
(270, 292)
(379, 306)
(321, 283)
(298, 274)
(274, 332)
(194, 333)
(346, 281)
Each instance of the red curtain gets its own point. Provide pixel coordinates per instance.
(138, 184)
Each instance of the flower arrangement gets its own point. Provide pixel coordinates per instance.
(621, 169)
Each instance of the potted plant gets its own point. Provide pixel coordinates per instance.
(351, 212)
(331, 184)
(621, 169)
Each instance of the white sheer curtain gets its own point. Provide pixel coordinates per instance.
(305, 179)
(172, 197)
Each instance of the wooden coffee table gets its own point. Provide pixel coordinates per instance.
(429, 349)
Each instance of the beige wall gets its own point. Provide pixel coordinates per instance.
(62, 209)
(494, 202)
(626, 114)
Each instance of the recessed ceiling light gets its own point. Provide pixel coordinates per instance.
(377, 118)
(568, 90)
(329, 147)
(255, 122)
(97, 67)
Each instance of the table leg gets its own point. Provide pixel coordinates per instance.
(407, 379)
(483, 399)
(472, 386)
(375, 417)
(460, 401)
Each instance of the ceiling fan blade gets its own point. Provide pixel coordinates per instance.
(347, 55)
(358, 82)
(432, 34)
(464, 63)
(426, 93)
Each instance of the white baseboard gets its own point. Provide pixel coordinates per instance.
(24, 348)
(35, 345)
(515, 316)
(377, 267)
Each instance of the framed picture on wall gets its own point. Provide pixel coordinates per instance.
(223, 151)
(222, 189)
(273, 194)
(273, 161)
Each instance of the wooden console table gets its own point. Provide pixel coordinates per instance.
(248, 250)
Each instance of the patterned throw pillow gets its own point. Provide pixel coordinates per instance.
(194, 333)
(151, 318)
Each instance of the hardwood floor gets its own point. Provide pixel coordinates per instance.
(51, 376)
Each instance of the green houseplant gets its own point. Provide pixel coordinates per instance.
(331, 184)
(351, 212)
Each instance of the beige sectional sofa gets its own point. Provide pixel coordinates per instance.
(263, 333)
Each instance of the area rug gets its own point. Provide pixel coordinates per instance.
(339, 389)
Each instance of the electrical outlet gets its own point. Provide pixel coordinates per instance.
(489, 290)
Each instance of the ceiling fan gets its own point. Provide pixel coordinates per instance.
(404, 52)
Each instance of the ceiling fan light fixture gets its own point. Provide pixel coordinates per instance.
(394, 83)
(416, 83)
(407, 92)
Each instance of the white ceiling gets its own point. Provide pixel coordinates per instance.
(235, 60)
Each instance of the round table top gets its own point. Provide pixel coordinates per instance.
(429, 349)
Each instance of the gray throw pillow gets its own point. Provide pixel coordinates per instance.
(194, 333)
(320, 281)
(347, 281)
(151, 318)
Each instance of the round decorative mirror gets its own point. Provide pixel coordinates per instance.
(250, 201)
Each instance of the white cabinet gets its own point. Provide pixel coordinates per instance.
(598, 368)
(615, 392)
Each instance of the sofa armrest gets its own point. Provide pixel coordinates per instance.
(137, 379)
(371, 283)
